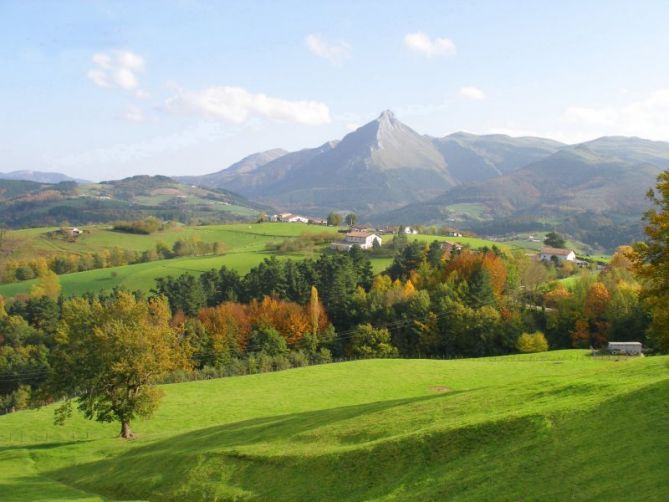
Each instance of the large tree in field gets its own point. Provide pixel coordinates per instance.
(109, 355)
(652, 262)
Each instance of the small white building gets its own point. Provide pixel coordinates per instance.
(626, 348)
(363, 239)
(410, 231)
(561, 254)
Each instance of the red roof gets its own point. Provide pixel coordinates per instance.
(556, 251)
(358, 234)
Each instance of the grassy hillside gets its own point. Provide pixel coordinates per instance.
(541, 427)
(244, 249)
(24, 203)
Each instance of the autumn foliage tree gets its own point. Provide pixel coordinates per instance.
(109, 355)
(652, 262)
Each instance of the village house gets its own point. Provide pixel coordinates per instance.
(410, 231)
(363, 239)
(560, 254)
(289, 218)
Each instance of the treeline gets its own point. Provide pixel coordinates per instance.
(146, 226)
(431, 302)
(20, 270)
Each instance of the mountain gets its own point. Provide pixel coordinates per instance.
(381, 165)
(246, 166)
(608, 175)
(26, 203)
(39, 177)
(474, 158)
(387, 172)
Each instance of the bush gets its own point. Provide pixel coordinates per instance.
(532, 342)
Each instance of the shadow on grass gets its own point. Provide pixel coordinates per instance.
(160, 469)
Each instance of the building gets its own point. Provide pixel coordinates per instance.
(626, 348)
(318, 221)
(410, 231)
(289, 218)
(561, 254)
(363, 239)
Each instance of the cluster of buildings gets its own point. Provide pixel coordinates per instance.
(362, 238)
(296, 218)
(561, 255)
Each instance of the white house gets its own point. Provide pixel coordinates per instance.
(296, 218)
(561, 254)
(289, 218)
(627, 348)
(363, 239)
(410, 231)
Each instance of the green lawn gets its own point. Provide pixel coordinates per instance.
(244, 248)
(551, 426)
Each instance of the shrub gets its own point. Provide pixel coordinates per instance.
(532, 342)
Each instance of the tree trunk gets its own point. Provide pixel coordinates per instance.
(126, 433)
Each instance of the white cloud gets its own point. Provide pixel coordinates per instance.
(647, 117)
(335, 52)
(420, 42)
(134, 114)
(117, 69)
(237, 105)
(470, 92)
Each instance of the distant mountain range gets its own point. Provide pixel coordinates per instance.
(389, 173)
(39, 177)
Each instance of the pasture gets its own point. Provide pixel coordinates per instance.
(550, 426)
(243, 244)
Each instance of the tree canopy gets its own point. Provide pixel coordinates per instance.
(109, 354)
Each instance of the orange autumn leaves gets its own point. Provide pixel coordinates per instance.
(231, 324)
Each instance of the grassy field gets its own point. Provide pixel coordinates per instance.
(244, 245)
(550, 426)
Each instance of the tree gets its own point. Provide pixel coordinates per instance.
(652, 262)
(109, 355)
(334, 219)
(351, 219)
(532, 342)
(367, 341)
(48, 285)
(554, 240)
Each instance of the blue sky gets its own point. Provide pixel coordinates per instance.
(102, 90)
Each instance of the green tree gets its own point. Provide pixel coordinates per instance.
(351, 219)
(109, 355)
(532, 342)
(367, 341)
(554, 240)
(652, 262)
(334, 219)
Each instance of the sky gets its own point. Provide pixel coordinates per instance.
(103, 90)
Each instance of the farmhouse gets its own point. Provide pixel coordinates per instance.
(363, 239)
(289, 218)
(410, 231)
(627, 348)
(561, 254)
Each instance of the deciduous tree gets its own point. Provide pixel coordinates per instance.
(109, 355)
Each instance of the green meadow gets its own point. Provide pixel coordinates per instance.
(244, 247)
(551, 426)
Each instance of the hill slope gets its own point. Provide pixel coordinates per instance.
(25, 203)
(546, 427)
(586, 177)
